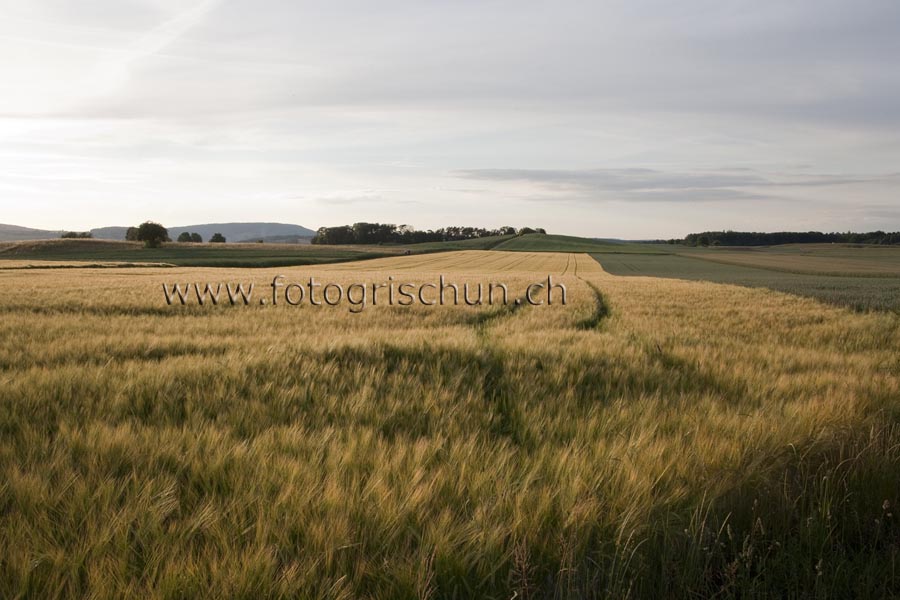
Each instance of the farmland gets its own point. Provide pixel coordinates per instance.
(816, 273)
(105, 252)
(483, 243)
(653, 437)
(813, 259)
(80, 253)
(567, 243)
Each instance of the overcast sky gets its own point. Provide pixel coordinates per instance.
(629, 119)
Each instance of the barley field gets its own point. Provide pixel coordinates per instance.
(651, 438)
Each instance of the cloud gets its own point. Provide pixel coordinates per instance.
(617, 179)
(338, 200)
(631, 184)
(811, 60)
(642, 184)
(361, 199)
(699, 111)
(112, 72)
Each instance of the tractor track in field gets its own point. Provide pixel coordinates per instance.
(496, 387)
(568, 263)
(601, 307)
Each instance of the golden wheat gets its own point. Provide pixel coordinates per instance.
(650, 438)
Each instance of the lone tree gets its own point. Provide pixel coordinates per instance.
(217, 238)
(184, 236)
(152, 234)
(196, 238)
(131, 234)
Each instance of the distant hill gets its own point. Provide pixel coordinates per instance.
(14, 233)
(233, 232)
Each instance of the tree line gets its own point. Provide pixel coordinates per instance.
(153, 235)
(753, 238)
(388, 233)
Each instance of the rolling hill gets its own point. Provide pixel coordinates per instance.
(15, 233)
(207, 255)
(535, 242)
(234, 232)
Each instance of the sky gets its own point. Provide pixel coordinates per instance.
(630, 119)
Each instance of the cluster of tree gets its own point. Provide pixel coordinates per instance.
(77, 235)
(745, 238)
(154, 234)
(190, 238)
(387, 233)
(132, 233)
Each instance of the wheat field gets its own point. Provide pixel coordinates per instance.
(651, 438)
